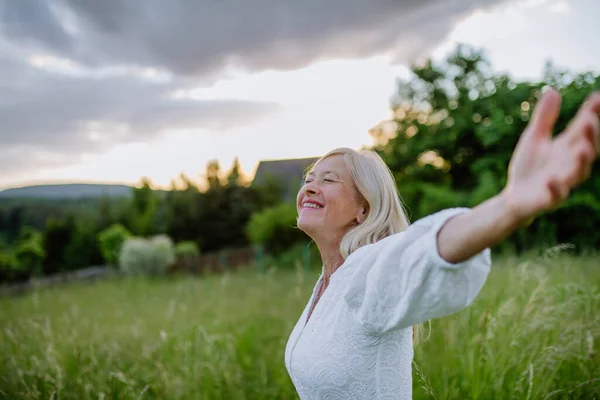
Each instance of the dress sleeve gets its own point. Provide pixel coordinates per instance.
(402, 280)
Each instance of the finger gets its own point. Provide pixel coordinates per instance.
(586, 172)
(558, 192)
(592, 135)
(584, 160)
(545, 114)
(586, 126)
(586, 155)
(579, 167)
(593, 102)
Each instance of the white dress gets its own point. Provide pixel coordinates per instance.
(357, 343)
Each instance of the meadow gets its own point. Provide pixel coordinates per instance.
(533, 333)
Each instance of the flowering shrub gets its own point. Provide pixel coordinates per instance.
(151, 257)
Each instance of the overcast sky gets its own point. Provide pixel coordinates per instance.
(113, 90)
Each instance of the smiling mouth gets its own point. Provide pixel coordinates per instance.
(311, 206)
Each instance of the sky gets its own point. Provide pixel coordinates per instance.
(111, 91)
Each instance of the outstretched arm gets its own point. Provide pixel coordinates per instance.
(541, 174)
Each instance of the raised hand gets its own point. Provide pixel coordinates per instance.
(543, 170)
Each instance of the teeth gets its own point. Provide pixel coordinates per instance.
(311, 205)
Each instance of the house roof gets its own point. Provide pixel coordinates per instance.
(286, 171)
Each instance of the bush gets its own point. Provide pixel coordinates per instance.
(275, 228)
(111, 241)
(10, 269)
(150, 257)
(58, 233)
(186, 250)
(84, 249)
(29, 252)
(302, 254)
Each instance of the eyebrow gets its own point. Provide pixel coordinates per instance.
(324, 173)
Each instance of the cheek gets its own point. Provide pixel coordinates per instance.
(340, 209)
(298, 198)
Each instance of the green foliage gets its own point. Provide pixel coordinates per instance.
(24, 258)
(142, 217)
(183, 212)
(234, 176)
(213, 175)
(271, 192)
(35, 212)
(57, 236)
(186, 250)
(454, 127)
(303, 255)
(11, 270)
(84, 249)
(275, 228)
(29, 251)
(111, 241)
(150, 257)
(215, 218)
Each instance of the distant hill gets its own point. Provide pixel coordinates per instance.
(67, 191)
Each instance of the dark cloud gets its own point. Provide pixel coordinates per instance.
(199, 37)
(57, 110)
(56, 116)
(32, 21)
(63, 116)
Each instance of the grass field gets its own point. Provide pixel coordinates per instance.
(533, 333)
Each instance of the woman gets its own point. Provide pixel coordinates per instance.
(381, 276)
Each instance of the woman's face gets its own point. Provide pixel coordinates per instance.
(328, 204)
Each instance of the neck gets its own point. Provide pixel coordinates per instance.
(331, 258)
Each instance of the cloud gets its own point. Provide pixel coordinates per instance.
(81, 76)
(199, 37)
(66, 115)
(55, 110)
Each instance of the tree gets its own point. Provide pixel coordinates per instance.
(452, 132)
(56, 237)
(143, 210)
(182, 211)
(275, 228)
(83, 250)
(29, 252)
(235, 175)
(213, 175)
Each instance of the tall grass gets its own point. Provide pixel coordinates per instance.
(533, 333)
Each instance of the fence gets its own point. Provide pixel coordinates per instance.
(90, 274)
(218, 262)
(221, 261)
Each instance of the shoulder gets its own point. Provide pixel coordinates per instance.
(439, 217)
(369, 252)
(432, 222)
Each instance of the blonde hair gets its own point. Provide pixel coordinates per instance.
(375, 185)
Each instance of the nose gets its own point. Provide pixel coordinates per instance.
(311, 188)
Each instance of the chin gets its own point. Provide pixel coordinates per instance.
(307, 226)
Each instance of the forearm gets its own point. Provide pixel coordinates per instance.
(481, 227)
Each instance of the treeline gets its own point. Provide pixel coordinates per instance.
(453, 129)
(45, 237)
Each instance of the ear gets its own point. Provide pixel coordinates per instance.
(362, 214)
